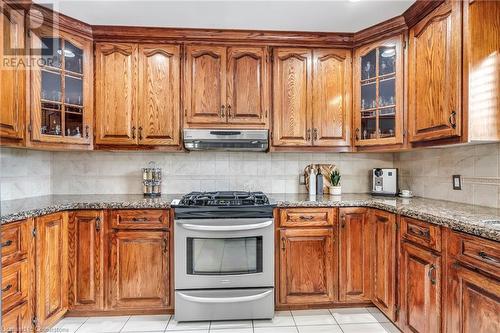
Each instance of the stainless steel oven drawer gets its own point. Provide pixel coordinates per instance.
(224, 304)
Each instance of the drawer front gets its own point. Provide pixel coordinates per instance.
(422, 233)
(475, 251)
(17, 320)
(14, 242)
(308, 217)
(140, 219)
(14, 284)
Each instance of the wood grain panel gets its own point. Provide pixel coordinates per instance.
(420, 290)
(116, 93)
(355, 273)
(292, 101)
(435, 75)
(308, 217)
(12, 74)
(16, 239)
(421, 233)
(140, 219)
(139, 270)
(15, 284)
(247, 86)
(51, 268)
(205, 84)
(86, 266)
(17, 320)
(331, 101)
(159, 95)
(307, 266)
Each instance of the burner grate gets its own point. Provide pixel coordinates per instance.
(224, 198)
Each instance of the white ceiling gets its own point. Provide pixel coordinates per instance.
(325, 16)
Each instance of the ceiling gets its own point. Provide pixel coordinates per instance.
(324, 16)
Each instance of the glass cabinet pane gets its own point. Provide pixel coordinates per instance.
(73, 58)
(73, 90)
(387, 92)
(368, 96)
(387, 60)
(51, 86)
(51, 119)
(51, 52)
(368, 64)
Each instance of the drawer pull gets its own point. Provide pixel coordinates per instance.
(7, 243)
(382, 219)
(431, 274)
(283, 243)
(98, 224)
(142, 219)
(307, 218)
(7, 288)
(165, 245)
(487, 257)
(418, 232)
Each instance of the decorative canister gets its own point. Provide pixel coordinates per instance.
(151, 180)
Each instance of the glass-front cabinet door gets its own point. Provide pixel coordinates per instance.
(378, 93)
(61, 107)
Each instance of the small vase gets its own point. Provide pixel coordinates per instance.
(335, 190)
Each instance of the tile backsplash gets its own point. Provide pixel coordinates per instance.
(428, 173)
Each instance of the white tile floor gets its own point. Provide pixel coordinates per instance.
(346, 320)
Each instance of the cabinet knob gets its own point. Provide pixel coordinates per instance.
(133, 132)
(140, 132)
(283, 243)
(98, 224)
(229, 111)
(222, 111)
(165, 245)
(431, 274)
(453, 119)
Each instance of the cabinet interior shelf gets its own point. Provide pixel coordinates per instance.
(372, 80)
(57, 70)
(379, 107)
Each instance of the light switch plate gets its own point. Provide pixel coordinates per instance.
(457, 182)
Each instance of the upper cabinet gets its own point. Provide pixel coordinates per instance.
(434, 75)
(137, 94)
(226, 86)
(311, 97)
(61, 89)
(12, 75)
(378, 93)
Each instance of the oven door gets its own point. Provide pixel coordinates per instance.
(224, 253)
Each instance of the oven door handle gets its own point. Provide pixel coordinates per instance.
(239, 299)
(201, 227)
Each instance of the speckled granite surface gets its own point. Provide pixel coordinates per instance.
(476, 220)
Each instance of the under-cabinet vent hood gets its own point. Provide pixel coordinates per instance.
(226, 139)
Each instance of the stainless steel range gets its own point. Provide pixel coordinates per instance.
(224, 262)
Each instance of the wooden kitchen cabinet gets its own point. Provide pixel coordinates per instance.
(307, 266)
(139, 270)
(384, 261)
(420, 289)
(311, 97)
(86, 260)
(355, 273)
(226, 86)
(12, 75)
(379, 93)
(434, 75)
(51, 269)
(17, 320)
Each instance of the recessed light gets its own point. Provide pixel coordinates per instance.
(67, 53)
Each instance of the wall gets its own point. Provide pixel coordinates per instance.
(429, 173)
(24, 173)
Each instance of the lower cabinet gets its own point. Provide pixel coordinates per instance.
(86, 266)
(139, 270)
(51, 269)
(355, 274)
(17, 320)
(420, 290)
(307, 266)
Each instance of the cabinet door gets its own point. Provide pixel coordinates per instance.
(116, 93)
(331, 101)
(384, 261)
(139, 270)
(473, 300)
(420, 290)
(51, 269)
(86, 283)
(355, 255)
(12, 74)
(247, 86)
(159, 95)
(17, 320)
(435, 74)
(307, 266)
(292, 97)
(205, 85)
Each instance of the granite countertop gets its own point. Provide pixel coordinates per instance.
(476, 220)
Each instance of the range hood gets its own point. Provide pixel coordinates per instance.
(226, 139)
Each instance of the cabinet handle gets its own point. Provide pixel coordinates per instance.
(140, 132)
(133, 132)
(229, 112)
(7, 243)
(382, 219)
(315, 134)
(308, 217)
(308, 134)
(283, 243)
(343, 221)
(431, 274)
(453, 119)
(87, 131)
(418, 232)
(222, 112)
(357, 134)
(98, 224)
(7, 288)
(485, 256)
(142, 219)
(165, 245)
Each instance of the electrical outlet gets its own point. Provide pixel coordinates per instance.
(457, 182)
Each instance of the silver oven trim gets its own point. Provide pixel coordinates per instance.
(202, 227)
(237, 299)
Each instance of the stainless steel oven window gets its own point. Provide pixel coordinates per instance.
(224, 256)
